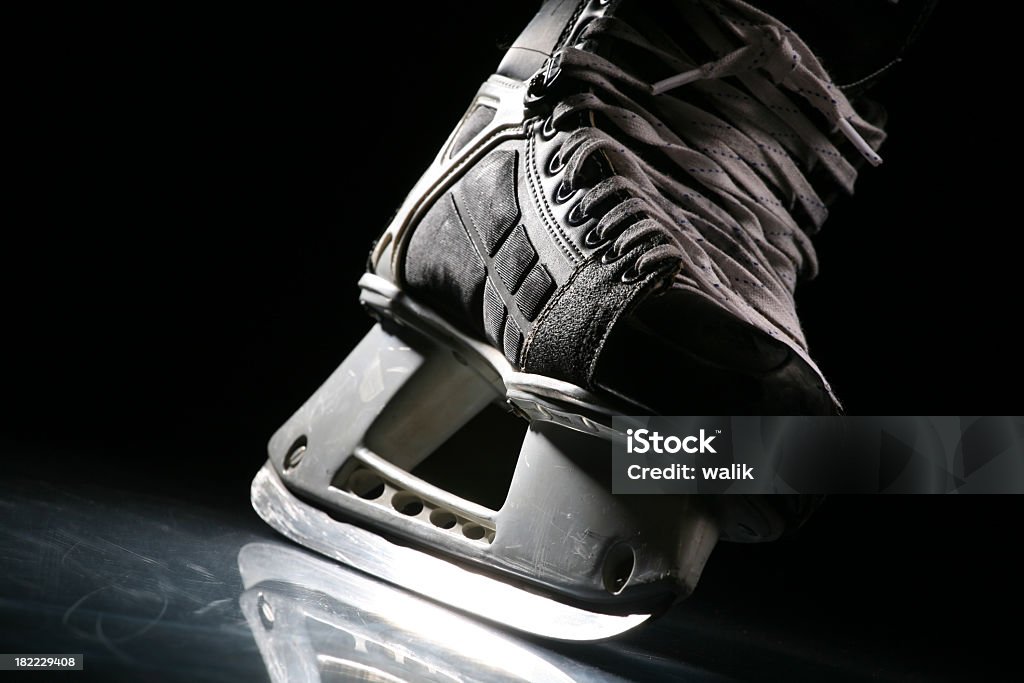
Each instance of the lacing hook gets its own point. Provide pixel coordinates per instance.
(542, 84)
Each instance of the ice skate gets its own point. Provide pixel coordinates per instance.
(615, 227)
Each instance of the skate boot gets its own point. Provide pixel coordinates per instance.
(615, 227)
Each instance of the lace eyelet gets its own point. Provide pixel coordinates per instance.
(576, 216)
(555, 164)
(576, 40)
(593, 238)
(563, 193)
(548, 130)
(610, 256)
(630, 275)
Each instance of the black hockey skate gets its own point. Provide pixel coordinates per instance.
(615, 227)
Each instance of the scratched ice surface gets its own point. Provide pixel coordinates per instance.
(157, 589)
(146, 589)
(152, 589)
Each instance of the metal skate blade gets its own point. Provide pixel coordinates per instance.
(427, 575)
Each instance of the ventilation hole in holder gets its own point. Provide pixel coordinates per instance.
(366, 484)
(295, 453)
(473, 532)
(442, 519)
(618, 567)
(266, 612)
(407, 503)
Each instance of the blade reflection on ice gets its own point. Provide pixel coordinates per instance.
(316, 620)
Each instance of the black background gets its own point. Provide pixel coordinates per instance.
(195, 192)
